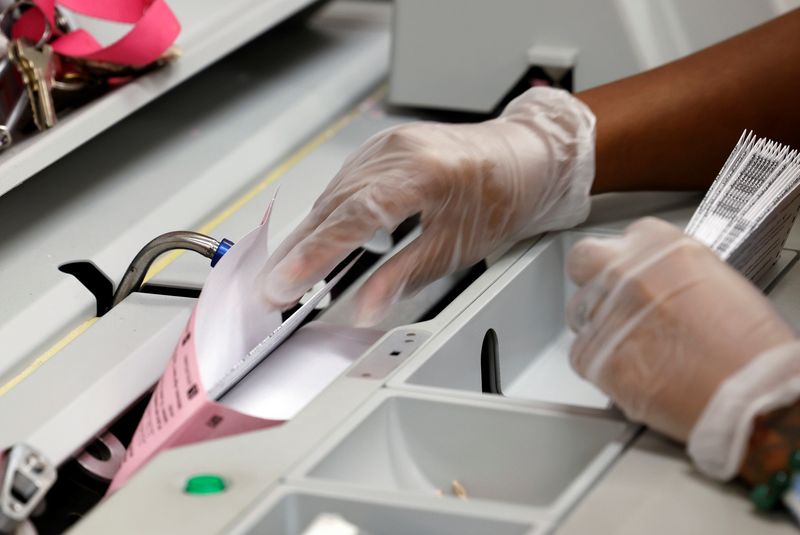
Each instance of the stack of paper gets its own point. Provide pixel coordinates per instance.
(196, 400)
(747, 214)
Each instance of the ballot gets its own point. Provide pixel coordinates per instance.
(748, 212)
(230, 319)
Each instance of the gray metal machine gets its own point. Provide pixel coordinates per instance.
(467, 55)
(464, 418)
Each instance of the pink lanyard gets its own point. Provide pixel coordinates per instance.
(154, 29)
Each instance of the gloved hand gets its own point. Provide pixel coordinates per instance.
(476, 186)
(661, 322)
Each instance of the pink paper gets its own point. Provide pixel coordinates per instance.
(180, 413)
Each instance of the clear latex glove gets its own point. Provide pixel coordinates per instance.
(476, 186)
(661, 322)
(718, 441)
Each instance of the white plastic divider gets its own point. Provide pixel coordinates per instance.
(525, 307)
(290, 509)
(534, 458)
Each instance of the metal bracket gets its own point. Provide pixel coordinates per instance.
(26, 477)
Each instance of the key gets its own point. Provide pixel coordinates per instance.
(37, 68)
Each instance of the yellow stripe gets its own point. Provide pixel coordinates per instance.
(47, 355)
(206, 228)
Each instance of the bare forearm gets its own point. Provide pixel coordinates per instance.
(672, 127)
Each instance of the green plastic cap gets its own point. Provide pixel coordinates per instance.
(204, 484)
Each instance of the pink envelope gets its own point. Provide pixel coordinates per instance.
(230, 319)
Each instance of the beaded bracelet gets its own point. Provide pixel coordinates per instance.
(766, 496)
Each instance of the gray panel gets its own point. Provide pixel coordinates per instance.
(467, 54)
(294, 514)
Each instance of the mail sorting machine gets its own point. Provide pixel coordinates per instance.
(464, 418)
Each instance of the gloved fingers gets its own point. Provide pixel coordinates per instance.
(366, 166)
(349, 226)
(325, 204)
(649, 232)
(308, 225)
(591, 256)
(603, 331)
(610, 307)
(631, 375)
(642, 364)
(427, 258)
(596, 265)
(621, 317)
(322, 209)
(583, 303)
(625, 273)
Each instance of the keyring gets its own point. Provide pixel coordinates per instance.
(6, 29)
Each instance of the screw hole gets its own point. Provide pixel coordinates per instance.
(394, 353)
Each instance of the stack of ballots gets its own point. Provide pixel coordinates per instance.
(747, 214)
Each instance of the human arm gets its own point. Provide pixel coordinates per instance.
(671, 128)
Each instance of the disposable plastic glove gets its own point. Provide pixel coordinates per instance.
(475, 186)
(661, 322)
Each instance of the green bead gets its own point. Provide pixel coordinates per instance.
(779, 482)
(763, 497)
(204, 484)
(794, 461)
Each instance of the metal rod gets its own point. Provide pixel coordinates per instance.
(190, 241)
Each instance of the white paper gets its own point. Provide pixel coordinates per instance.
(232, 317)
(299, 370)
